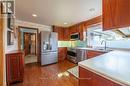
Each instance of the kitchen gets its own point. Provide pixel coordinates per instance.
(93, 51)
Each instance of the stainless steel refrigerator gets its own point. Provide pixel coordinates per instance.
(49, 47)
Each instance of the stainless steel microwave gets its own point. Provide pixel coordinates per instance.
(75, 36)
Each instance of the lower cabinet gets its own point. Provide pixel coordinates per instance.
(88, 78)
(14, 67)
(91, 53)
(62, 53)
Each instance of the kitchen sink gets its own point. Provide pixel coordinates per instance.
(103, 49)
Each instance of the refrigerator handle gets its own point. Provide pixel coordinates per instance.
(50, 47)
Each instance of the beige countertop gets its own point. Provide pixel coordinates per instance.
(114, 66)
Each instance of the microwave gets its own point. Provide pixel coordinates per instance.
(75, 36)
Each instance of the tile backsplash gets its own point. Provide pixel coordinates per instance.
(72, 43)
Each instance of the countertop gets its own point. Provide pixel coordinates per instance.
(95, 49)
(114, 66)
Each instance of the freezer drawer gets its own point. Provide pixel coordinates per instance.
(49, 58)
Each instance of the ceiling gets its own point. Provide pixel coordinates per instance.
(57, 12)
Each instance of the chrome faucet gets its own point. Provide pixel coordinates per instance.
(105, 46)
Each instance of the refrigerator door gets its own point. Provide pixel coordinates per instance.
(49, 58)
(54, 41)
(45, 41)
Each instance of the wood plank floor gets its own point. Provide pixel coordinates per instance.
(51, 75)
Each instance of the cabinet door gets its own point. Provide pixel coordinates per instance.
(73, 29)
(60, 32)
(91, 54)
(66, 34)
(85, 77)
(62, 53)
(80, 30)
(116, 14)
(100, 81)
(15, 67)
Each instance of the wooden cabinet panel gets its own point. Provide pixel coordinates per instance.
(85, 77)
(80, 30)
(100, 81)
(73, 29)
(116, 14)
(66, 34)
(60, 32)
(14, 66)
(88, 78)
(91, 54)
(62, 53)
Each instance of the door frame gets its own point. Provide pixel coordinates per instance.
(19, 37)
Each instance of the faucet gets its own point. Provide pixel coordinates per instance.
(105, 46)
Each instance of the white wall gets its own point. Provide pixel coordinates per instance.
(33, 25)
(24, 24)
(10, 47)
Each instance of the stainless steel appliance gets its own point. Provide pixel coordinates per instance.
(75, 36)
(49, 47)
(76, 55)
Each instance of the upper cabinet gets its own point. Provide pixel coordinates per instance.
(66, 34)
(73, 29)
(78, 28)
(116, 14)
(81, 30)
(60, 31)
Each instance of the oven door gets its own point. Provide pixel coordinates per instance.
(72, 56)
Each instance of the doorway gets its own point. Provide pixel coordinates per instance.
(28, 41)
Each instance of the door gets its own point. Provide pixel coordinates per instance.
(45, 41)
(49, 57)
(54, 41)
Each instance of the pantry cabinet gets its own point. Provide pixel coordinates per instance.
(116, 14)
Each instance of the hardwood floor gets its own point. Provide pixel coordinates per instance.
(51, 75)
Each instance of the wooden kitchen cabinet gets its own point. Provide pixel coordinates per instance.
(66, 34)
(14, 67)
(90, 53)
(80, 30)
(88, 78)
(62, 53)
(85, 77)
(60, 31)
(73, 29)
(116, 14)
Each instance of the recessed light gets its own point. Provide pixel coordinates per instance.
(92, 9)
(34, 15)
(65, 23)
